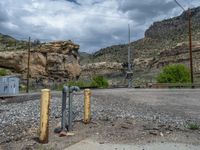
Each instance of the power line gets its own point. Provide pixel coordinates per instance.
(180, 5)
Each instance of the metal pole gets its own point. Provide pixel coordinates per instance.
(179, 5)
(190, 45)
(70, 111)
(28, 65)
(64, 99)
(129, 49)
(129, 56)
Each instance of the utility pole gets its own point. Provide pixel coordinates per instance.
(129, 73)
(190, 45)
(28, 65)
(129, 48)
(190, 38)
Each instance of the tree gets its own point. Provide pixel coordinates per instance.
(175, 73)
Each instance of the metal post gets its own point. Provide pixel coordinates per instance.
(66, 125)
(190, 45)
(70, 117)
(129, 49)
(28, 64)
(70, 112)
(44, 116)
(129, 56)
(64, 102)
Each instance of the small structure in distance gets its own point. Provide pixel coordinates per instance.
(9, 85)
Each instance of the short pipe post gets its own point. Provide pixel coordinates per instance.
(44, 116)
(70, 117)
(70, 112)
(87, 113)
(64, 102)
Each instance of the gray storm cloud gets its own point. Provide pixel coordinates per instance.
(91, 23)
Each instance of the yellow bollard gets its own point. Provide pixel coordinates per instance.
(87, 96)
(44, 116)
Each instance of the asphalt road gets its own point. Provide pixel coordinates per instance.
(91, 145)
(177, 102)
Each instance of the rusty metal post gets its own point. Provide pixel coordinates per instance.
(87, 111)
(44, 116)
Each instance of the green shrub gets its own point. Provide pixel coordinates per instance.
(176, 73)
(100, 82)
(97, 81)
(3, 72)
(193, 126)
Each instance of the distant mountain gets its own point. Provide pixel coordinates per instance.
(162, 35)
(168, 37)
(8, 43)
(85, 57)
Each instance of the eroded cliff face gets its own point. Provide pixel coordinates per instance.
(165, 42)
(101, 68)
(55, 61)
(180, 54)
(150, 67)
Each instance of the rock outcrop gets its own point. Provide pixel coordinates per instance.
(180, 54)
(150, 67)
(54, 61)
(165, 42)
(102, 68)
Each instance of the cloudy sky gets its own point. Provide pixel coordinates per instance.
(93, 24)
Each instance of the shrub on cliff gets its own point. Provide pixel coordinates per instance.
(176, 73)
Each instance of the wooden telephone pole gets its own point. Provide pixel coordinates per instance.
(190, 38)
(190, 45)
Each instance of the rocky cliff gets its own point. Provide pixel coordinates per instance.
(102, 68)
(165, 42)
(54, 61)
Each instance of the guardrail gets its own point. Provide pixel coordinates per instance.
(172, 85)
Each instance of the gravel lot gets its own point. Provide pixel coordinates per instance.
(16, 118)
(174, 107)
